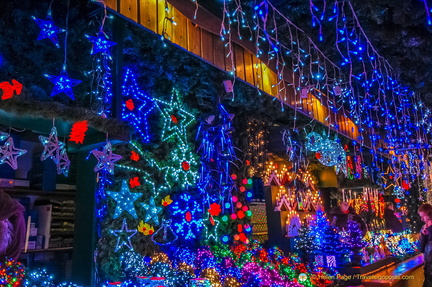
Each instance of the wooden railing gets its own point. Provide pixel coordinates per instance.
(197, 31)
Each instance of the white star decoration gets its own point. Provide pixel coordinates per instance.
(106, 158)
(63, 164)
(9, 154)
(55, 150)
(152, 212)
(52, 146)
(124, 236)
(176, 119)
(125, 200)
(3, 136)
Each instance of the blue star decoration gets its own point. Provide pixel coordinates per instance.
(48, 30)
(136, 106)
(106, 158)
(63, 84)
(100, 43)
(9, 154)
(152, 212)
(176, 119)
(53, 148)
(124, 236)
(125, 200)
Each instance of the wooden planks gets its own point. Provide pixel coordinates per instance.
(197, 31)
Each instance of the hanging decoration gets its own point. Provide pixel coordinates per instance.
(63, 163)
(293, 148)
(8, 90)
(152, 211)
(101, 85)
(52, 146)
(176, 119)
(3, 136)
(187, 217)
(78, 130)
(217, 157)
(106, 158)
(124, 236)
(125, 200)
(255, 152)
(48, 29)
(55, 150)
(100, 43)
(328, 152)
(164, 235)
(9, 153)
(63, 84)
(136, 106)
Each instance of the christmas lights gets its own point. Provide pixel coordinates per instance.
(125, 200)
(187, 217)
(106, 158)
(152, 211)
(136, 106)
(176, 119)
(124, 236)
(63, 84)
(48, 29)
(9, 153)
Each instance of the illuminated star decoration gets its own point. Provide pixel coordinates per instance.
(390, 178)
(136, 106)
(176, 119)
(63, 164)
(48, 29)
(152, 212)
(106, 158)
(125, 200)
(124, 236)
(63, 84)
(3, 136)
(100, 43)
(211, 226)
(52, 146)
(9, 154)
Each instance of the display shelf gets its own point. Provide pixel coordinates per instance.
(41, 193)
(57, 249)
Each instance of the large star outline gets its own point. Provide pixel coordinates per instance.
(124, 236)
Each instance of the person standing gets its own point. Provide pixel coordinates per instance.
(425, 212)
(339, 216)
(391, 221)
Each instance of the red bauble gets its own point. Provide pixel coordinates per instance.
(185, 166)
